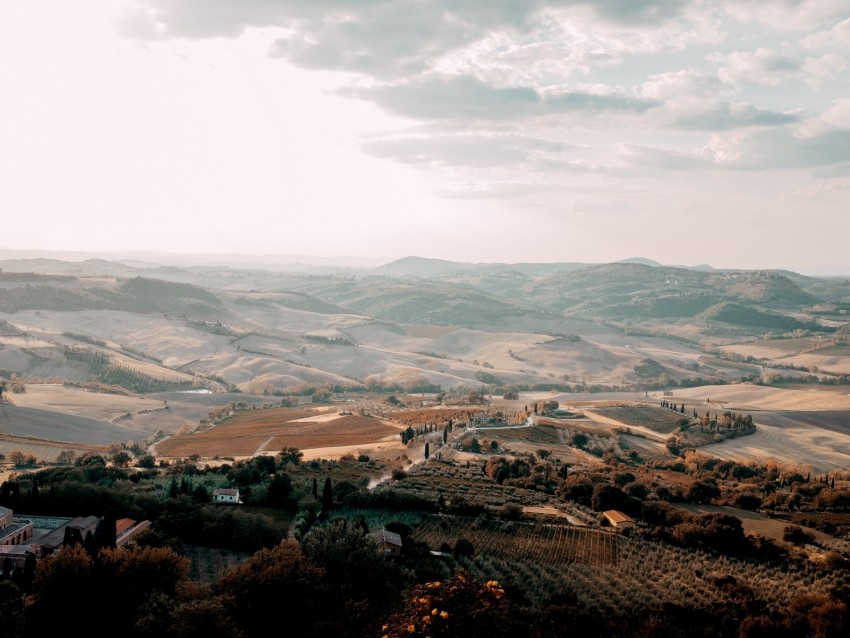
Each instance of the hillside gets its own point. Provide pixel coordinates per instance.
(471, 325)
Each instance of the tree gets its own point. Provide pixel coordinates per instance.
(607, 497)
(147, 461)
(256, 588)
(105, 532)
(315, 489)
(279, 489)
(121, 459)
(291, 455)
(327, 496)
(18, 458)
(360, 585)
(464, 547)
(796, 535)
(65, 457)
(427, 450)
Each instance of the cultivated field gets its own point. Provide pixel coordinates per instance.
(551, 544)
(79, 402)
(743, 397)
(752, 522)
(254, 431)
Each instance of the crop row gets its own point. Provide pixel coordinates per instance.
(536, 542)
(649, 575)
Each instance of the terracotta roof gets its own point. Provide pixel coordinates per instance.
(122, 524)
(227, 491)
(618, 517)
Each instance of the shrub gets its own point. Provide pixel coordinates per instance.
(796, 536)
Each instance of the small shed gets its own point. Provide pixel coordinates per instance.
(227, 495)
(618, 520)
(390, 542)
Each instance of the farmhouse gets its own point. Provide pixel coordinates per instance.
(390, 542)
(618, 520)
(227, 495)
(12, 531)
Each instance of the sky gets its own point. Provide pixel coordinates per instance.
(685, 131)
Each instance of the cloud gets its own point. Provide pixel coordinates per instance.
(762, 66)
(691, 100)
(837, 36)
(442, 97)
(636, 155)
(725, 116)
(471, 150)
(835, 118)
(766, 67)
(785, 15)
(821, 188)
(778, 148)
(384, 38)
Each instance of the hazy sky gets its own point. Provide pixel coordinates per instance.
(688, 132)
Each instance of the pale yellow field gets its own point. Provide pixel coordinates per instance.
(342, 450)
(753, 397)
(805, 447)
(79, 402)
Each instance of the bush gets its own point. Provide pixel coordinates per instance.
(796, 536)
(464, 547)
(510, 512)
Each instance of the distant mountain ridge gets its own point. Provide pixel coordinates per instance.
(412, 322)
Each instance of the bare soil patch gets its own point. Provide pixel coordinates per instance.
(257, 431)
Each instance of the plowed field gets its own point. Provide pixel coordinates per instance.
(257, 431)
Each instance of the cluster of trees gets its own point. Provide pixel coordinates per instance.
(335, 581)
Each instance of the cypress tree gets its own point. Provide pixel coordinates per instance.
(315, 488)
(427, 450)
(173, 488)
(327, 496)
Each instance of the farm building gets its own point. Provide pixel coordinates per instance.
(12, 531)
(389, 541)
(127, 528)
(618, 520)
(52, 541)
(16, 555)
(228, 495)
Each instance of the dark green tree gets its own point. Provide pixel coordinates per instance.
(327, 496)
(279, 489)
(427, 450)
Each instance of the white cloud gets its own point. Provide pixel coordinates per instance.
(836, 118)
(762, 66)
(821, 188)
(838, 36)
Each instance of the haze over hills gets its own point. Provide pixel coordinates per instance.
(412, 322)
